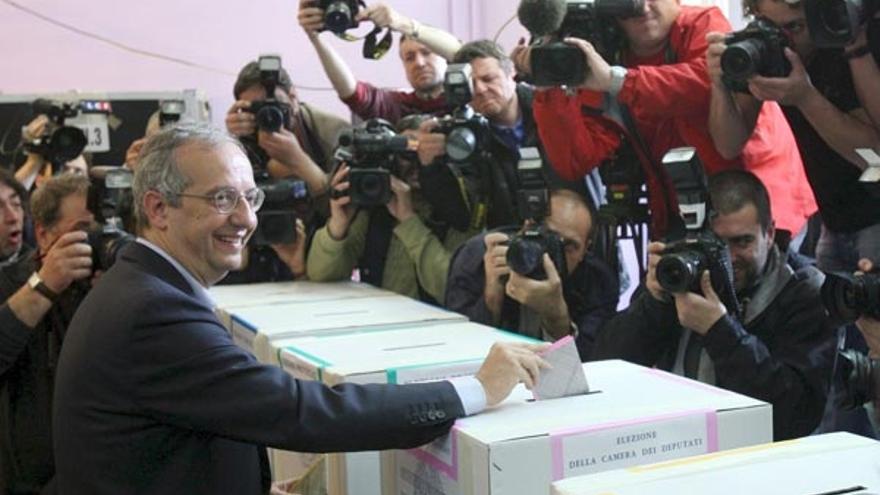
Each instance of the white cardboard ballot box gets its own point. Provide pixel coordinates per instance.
(228, 297)
(255, 327)
(633, 415)
(824, 464)
(405, 355)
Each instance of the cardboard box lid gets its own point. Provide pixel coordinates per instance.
(620, 391)
(810, 465)
(441, 343)
(228, 296)
(278, 320)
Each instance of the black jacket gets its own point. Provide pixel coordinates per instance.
(783, 354)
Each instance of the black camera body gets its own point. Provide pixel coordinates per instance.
(856, 378)
(467, 132)
(61, 143)
(683, 262)
(111, 202)
(848, 297)
(525, 252)
(340, 15)
(286, 201)
(836, 23)
(756, 50)
(372, 151)
(271, 114)
(555, 63)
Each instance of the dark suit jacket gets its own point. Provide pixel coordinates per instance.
(152, 396)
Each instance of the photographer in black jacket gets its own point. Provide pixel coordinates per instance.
(780, 349)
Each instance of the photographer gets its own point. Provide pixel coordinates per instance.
(34, 168)
(483, 286)
(423, 51)
(822, 105)
(41, 291)
(398, 246)
(780, 349)
(661, 82)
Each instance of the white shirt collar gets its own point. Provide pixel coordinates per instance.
(200, 291)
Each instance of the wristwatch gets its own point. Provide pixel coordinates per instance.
(618, 75)
(36, 283)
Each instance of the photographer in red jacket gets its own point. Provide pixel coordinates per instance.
(658, 98)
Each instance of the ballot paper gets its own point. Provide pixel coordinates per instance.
(566, 376)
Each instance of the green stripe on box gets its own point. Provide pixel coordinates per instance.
(320, 362)
(391, 373)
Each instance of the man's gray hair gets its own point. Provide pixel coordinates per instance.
(158, 169)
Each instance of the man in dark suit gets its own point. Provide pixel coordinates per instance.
(153, 396)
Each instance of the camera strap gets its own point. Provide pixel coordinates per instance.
(378, 239)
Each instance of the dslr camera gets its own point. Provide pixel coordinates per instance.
(695, 247)
(848, 297)
(372, 150)
(525, 250)
(271, 114)
(467, 132)
(556, 63)
(856, 378)
(339, 15)
(110, 201)
(836, 23)
(756, 50)
(286, 200)
(61, 143)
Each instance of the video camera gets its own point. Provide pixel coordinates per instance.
(697, 248)
(467, 132)
(110, 201)
(758, 49)
(286, 201)
(60, 143)
(556, 63)
(848, 297)
(170, 112)
(525, 251)
(836, 23)
(372, 151)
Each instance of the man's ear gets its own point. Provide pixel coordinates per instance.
(156, 207)
(44, 237)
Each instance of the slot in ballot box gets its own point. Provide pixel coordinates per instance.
(256, 327)
(633, 415)
(834, 463)
(405, 355)
(229, 297)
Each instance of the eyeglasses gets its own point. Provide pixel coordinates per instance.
(225, 201)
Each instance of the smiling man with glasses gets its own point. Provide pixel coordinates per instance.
(166, 402)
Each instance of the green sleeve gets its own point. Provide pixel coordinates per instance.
(331, 260)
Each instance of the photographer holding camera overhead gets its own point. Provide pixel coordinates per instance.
(723, 305)
(423, 49)
(379, 221)
(48, 141)
(538, 280)
(41, 290)
(643, 76)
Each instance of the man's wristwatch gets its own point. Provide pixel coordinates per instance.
(36, 283)
(618, 75)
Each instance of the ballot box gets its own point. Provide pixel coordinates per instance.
(632, 416)
(404, 355)
(228, 297)
(256, 327)
(835, 463)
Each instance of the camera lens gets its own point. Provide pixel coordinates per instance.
(678, 272)
(270, 119)
(525, 256)
(67, 143)
(461, 144)
(337, 17)
(742, 60)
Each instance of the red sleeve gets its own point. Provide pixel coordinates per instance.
(574, 143)
(679, 89)
(368, 102)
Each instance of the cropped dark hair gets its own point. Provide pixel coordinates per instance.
(46, 200)
(732, 190)
(250, 76)
(484, 49)
(7, 178)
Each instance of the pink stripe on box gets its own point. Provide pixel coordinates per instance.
(450, 470)
(711, 431)
(687, 382)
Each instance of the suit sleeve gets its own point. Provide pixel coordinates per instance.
(187, 372)
(14, 338)
(575, 143)
(330, 260)
(677, 89)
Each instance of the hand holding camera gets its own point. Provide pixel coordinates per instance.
(294, 255)
(400, 206)
(283, 146)
(68, 260)
(699, 312)
(384, 16)
(239, 121)
(341, 210)
(655, 252)
(431, 144)
(496, 270)
(792, 90)
(543, 296)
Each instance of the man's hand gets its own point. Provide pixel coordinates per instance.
(35, 129)
(384, 16)
(69, 259)
(310, 17)
(792, 90)
(240, 122)
(543, 296)
(496, 270)
(294, 255)
(697, 312)
(341, 209)
(521, 57)
(600, 72)
(133, 154)
(654, 254)
(400, 205)
(431, 144)
(713, 58)
(283, 487)
(284, 147)
(508, 364)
